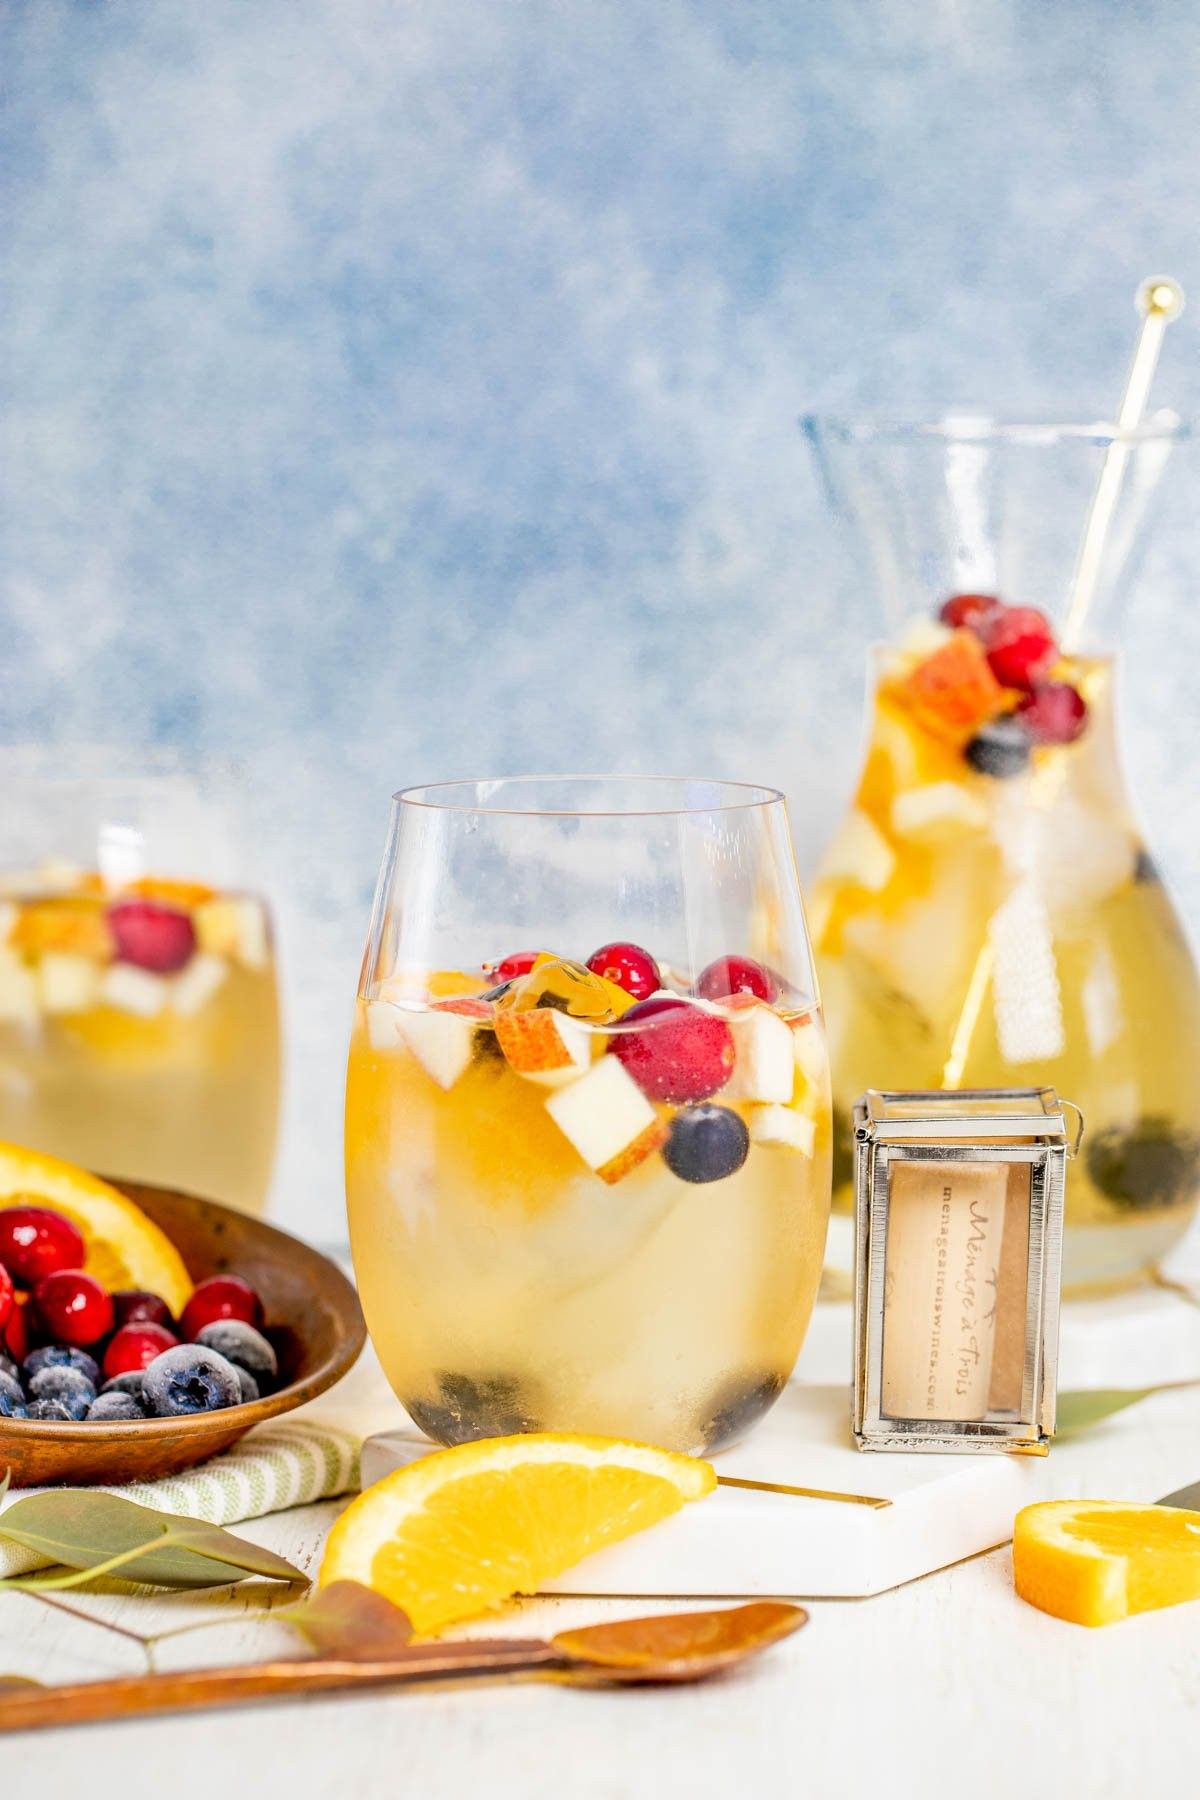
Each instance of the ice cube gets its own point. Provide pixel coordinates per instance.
(1027, 997)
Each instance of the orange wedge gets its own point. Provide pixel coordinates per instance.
(123, 1248)
(1096, 1561)
(463, 1530)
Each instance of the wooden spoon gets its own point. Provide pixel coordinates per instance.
(672, 1647)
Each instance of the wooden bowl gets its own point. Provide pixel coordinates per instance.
(313, 1318)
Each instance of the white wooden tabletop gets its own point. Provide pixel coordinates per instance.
(949, 1682)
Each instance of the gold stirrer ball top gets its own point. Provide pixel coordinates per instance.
(1161, 295)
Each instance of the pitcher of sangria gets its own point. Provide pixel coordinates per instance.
(139, 1028)
(988, 914)
(587, 1111)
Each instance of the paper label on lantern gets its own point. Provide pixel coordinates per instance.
(942, 1270)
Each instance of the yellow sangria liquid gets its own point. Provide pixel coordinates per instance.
(139, 1033)
(508, 1286)
(983, 930)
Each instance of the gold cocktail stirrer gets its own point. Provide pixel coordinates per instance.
(1159, 300)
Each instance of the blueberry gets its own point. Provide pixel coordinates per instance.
(1000, 749)
(50, 1411)
(12, 1400)
(8, 1367)
(61, 1356)
(114, 1409)
(250, 1388)
(130, 1382)
(67, 1386)
(706, 1143)
(189, 1379)
(241, 1345)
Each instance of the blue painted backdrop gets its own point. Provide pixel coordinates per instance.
(391, 391)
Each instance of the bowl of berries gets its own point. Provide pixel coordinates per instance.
(143, 1331)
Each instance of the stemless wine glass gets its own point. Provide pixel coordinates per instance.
(587, 1114)
(139, 1030)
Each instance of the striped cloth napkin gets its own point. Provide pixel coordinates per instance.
(277, 1465)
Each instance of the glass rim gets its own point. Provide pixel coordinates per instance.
(980, 427)
(721, 796)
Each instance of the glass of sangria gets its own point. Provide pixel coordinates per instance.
(587, 1112)
(989, 914)
(139, 1020)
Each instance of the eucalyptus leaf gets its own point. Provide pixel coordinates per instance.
(349, 1620)
(97, 1533)
(1088, 1406)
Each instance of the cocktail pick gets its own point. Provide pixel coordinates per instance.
(1159, 300)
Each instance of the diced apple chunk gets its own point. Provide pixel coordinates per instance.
(443, 1042)
(608, 1119)
(782, 1127)
(544, 1045)
(859, 853)
(196, 985)
(383, 1026)
(67, 983)
(937, 810)
(812, 1057)
(18, 990)
(234, 926)
(765, 1061)
(136, 991)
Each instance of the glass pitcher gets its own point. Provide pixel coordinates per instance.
(988, 913)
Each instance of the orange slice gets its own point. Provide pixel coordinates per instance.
(76, 926)
(186, 895)
(463, 1530)
(953, 692)
(1096, 1561)
(123, 1248)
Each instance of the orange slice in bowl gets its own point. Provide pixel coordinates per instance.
(460, 1531)
(123, 1248)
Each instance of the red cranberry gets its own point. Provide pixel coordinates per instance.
(74, 1308)
(1054, 713)
(220, 1297)
(133, 1306)
(1020, 646)
(630, 967)
(675, 1051)
(15, 1336)
(509, 967)
(152, 936)
(737, 975)
(970, 612)
(7, 1301)
(35, 1242)
(134, 1347)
